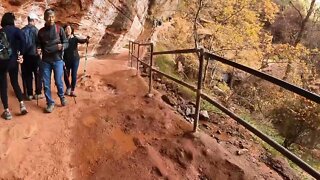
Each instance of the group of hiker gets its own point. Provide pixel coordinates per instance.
(52, 48)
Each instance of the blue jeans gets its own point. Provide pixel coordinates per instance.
(57, 67)
(73, 67)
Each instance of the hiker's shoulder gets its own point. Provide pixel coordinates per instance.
(42, 29)
(41, 32)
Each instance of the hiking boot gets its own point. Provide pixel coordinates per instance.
(63, 101)
(73, 94)
(23, 108)
(6, 115)
(68, 92)
(38, 96)
(49, 108)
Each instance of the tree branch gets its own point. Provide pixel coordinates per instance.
(195, 25)
(301, 16)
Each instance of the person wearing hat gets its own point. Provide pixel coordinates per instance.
(30, 67)
(52, 42)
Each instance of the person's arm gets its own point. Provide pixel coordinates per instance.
(37, 37)
(64, 40)
(19, 36)
(82, 41)
(22, 41)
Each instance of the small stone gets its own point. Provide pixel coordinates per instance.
(188, 111)
(219, 131)
(242, 151)
(206, 126)
(180, 111)
(168, 100)
(137, 142)
(149, 95)
(241, 145)
(204, 115)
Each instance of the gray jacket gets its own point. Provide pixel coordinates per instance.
(49, 38)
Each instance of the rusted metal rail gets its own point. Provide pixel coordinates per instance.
(200, 95)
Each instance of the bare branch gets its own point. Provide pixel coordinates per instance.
(300, 14)
(195, 25)
(304, 22)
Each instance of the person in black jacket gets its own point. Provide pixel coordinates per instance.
(72, 59)
(11, 65)
(30, 66)
(52, 42)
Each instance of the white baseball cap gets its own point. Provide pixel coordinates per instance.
(33, 15)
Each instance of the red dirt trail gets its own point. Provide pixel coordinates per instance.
(114, 132)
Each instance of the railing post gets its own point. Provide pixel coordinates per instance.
(199, 87)
(138, 59)
(133, 52)
(150, 68)
(130, 55)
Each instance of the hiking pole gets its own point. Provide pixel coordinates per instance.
(40, 81)
(38, 74)
(85, 61)
(66, 74)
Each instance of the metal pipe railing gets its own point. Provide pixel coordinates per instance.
(199, 87)
(182, 51)
(302, 92)
(150, 68)
(202, 55)
(303, 165)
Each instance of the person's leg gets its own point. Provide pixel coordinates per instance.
(46, 70)
(66, 77)
(75, 66)
(4, 95)
(13, 73)
(27, 75)
(23, 77)
(4, 88)
(58, 75)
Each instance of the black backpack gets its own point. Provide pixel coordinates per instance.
(5, 49)
(30, 40)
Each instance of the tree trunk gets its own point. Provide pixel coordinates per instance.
(289, 70)
(304, 23)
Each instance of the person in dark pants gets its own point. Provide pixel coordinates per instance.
(72, 59)
(30, 66)
(11, 65)
(52, 41)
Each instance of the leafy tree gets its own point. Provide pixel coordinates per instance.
(298, 120)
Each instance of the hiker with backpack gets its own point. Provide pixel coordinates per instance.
(11, 45)
(30, 66)
(72, 59)
(52, 42)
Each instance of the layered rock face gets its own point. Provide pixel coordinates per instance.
(109, 23)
